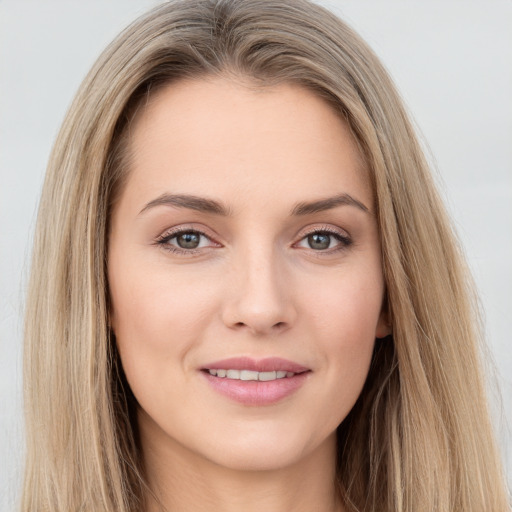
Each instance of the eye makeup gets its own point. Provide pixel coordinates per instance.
(188, 241)
(319, 240)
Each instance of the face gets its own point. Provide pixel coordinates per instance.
(245, 273)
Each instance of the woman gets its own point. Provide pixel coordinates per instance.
(245, 290)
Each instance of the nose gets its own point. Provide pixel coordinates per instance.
(259, 297)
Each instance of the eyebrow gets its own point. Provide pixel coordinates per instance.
(321, 205)
(206, 205)
(191, 202)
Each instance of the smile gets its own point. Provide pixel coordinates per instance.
(255, 382)
(251, 375)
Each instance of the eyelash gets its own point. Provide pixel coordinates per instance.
(163, 240)
(344, 240)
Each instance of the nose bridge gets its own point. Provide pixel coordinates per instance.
(259, 299)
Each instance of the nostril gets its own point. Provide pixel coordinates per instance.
(278, 325)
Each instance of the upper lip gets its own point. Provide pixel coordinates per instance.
(268, 364)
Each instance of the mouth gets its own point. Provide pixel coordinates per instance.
(255, 382)
(250, 375)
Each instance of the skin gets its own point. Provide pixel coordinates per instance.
(253, 287)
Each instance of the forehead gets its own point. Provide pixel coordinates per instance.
(221, 136)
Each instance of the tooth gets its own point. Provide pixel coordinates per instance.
(248, 375)
(221, 373)
(213, 372)
(233, 374)
(267, 376)
(290, 374)
(280, 374)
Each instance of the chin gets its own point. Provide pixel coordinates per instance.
(260, 451)
(260, 460)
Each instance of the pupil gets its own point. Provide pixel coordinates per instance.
(319, 241)
(188, 240)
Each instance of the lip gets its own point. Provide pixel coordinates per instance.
(268, 364)
(256, 393)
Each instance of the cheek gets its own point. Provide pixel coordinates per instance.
(159, 322)
(157, 317)
(346, 306)
(344, 318)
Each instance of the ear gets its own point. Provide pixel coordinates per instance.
(383, 328)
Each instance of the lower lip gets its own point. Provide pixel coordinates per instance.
(257, 393)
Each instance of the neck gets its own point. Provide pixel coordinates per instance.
(184, 481)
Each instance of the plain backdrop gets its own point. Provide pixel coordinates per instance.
(451, 60)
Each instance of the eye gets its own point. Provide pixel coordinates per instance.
(185, 241)
(325, 239)
(188, 240)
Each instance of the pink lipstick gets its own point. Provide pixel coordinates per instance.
(255, 382)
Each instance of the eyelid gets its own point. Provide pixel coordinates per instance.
(164, 238)
(344, 239)
(315, 228)
(167, 235)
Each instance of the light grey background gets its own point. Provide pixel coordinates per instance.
(451, 59)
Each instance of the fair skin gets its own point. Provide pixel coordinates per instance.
(258, 276)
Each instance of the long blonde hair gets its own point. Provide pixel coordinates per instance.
(419, 437)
